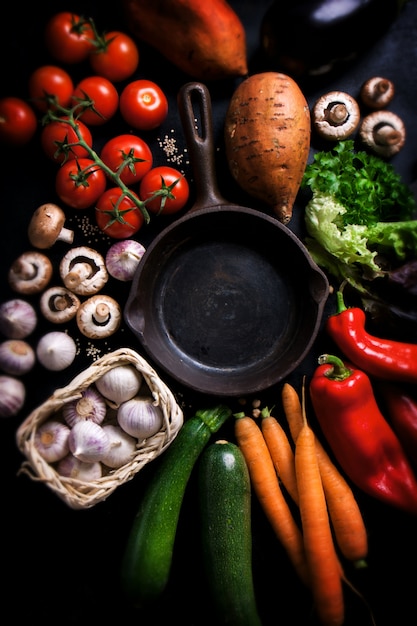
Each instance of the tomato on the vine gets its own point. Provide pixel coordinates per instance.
(69, 37)
(166, 178)
(56, 136)
(143, 104)
(117, 215)
(80, 183)
(131, 150)
(18, 121)
(116, 56)
(50, 84)
(101, 96)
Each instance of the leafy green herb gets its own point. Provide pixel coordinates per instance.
(368, 187)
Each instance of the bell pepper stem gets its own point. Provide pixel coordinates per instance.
(338, 371)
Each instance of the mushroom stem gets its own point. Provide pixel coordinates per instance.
(101, 313)
(377, 92)
(80, 272)
(336, 113)
(24, 269)
(386, 135)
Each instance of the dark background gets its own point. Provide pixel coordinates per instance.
(62, 566)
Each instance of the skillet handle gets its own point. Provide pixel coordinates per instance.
(194, 104)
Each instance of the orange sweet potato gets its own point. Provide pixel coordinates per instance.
(206, 40)
(267, 139)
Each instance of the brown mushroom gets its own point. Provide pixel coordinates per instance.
(30, 273)
(383, 132)
(83, 271)
(335, 115)
(98, 317)
(377, 92)
(59, 304)
(47, 226)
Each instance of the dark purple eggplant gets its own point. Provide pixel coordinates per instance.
(310, 38)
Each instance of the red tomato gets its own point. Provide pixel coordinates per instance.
(56, 135)
(49, 84)
(80, 183)
(160, 178)
(18, 121)
(131, 150)
(116, 56)
(143, 104)
(103, 97)
(69, 37)
(118, 216)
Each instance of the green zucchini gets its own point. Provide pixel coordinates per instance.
(147, 559)
(225, 507)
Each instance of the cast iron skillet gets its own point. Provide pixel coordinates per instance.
(226, 299)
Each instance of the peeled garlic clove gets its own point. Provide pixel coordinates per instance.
(122, 447)
(91, 406)
(51, 440)
(140, 417)
(56, 350)
(71, 467)
(119, 383)
(88, 441)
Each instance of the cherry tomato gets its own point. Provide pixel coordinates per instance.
(160, 178)
(80, 183)
(56, 134)
(116, 56)
(131, 150)
(49, 84)
(69, 37)
(118, 217)
(18, 121)
(143, 104)
(102, 95)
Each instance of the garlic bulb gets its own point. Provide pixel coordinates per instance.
(140, 417)
(71, 467)
(119, 383)
(56, 350)
(122, 447)
(91, 406)
(51, 440)
(18, 318)
(12, 396)
(17, 357)
(123, 257)
(88, 441)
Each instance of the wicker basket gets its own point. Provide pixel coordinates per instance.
(79, 494)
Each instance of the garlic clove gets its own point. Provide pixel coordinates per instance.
(122, 447)
(88, 441)
(18, 318)
(56, 350)
(17, 357)
(71, 467)
(12, 396)
(140, 417)
(120, 383)
(91, 406)
(52, 440)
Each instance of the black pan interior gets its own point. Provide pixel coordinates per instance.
(226, 300)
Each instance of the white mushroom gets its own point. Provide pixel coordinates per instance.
(99, 316)
(59, 305)
(335, 115)
(377, 92)
(383, 132)
(30, 273)
(83, 271)
(47, 226)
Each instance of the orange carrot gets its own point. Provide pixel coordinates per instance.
(345, 515)
(281, 452)
(266, 486)
(324, 565)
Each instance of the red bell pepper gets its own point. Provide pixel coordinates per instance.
(362, 441)
(383, 358)
(400, 402)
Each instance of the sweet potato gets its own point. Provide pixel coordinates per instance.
(267, 139)
(206, 40)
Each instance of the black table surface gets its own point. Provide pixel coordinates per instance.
(62, 566)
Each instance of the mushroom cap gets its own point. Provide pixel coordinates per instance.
(377, 92)
(59, 305)
(47, 225)
(383, 132)
(98, 317)
(325, 120)
(30, 273)
(83, 271)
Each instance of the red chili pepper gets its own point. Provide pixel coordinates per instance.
(382, 358)
(363, 442)
(401, 405)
